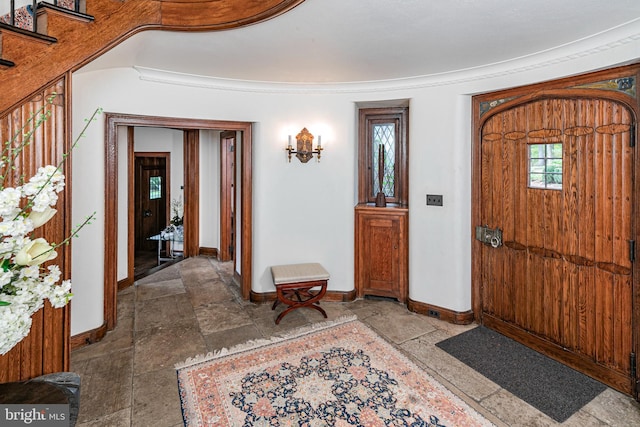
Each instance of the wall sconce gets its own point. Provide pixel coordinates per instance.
(304, 146)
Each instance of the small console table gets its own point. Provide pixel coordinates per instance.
(295, 285)
(172, 238)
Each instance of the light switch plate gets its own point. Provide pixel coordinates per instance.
(434, 199)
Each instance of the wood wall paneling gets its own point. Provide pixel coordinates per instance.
(45, 349)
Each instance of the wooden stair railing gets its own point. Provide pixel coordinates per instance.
(78, 41)
(29, 6)
(21, 21)
(22, 16)
(34, 65)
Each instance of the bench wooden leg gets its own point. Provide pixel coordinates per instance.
(297, 295)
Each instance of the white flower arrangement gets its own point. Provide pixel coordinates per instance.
(177, 209)
(25, 283)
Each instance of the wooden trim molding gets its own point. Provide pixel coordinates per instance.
(227, 189)
(451, 316)
(367, 118)
(88, 337)
(192, 14)
(125, 283)
(191, 193)
(131, 208)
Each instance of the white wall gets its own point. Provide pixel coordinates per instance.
(304, 212)
(163, 140)
(209, 188)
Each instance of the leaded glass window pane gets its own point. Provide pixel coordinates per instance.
(155, 187)
(384, 138)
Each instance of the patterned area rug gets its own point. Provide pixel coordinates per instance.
(338, 373)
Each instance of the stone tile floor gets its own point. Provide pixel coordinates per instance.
(192, 307)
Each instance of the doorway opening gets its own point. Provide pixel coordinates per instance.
(119, 144)
(152, 183)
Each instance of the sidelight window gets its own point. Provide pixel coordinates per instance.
(545, 166)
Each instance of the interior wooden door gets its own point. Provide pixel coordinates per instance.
(557, 179)
(150, 199)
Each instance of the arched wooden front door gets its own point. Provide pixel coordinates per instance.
(557, 179)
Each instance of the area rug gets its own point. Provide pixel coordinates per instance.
(551, 387)
(337, 373)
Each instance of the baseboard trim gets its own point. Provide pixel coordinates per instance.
(88, 337)
(455, 317)
(332, 296)
(212, 252)
(125, 283)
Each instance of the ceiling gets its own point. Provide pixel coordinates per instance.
(340, 41)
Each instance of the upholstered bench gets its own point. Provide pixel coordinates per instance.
(295, 285)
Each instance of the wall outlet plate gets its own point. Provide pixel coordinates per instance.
(434, 199)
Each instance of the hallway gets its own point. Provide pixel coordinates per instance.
(192, 307)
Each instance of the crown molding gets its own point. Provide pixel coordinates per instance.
(603, 42)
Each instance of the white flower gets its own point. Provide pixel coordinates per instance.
(30, 272)
(5, 278)
(16, 227)
(24, 286)
(10, 202)
(35, 253)
(15, 324)
(38, 219)
(60, 295)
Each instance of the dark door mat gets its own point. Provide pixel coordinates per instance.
(553, 388)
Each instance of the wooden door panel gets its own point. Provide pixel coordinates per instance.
(383, 273)
(381, 267)
(490, 159)
(564, 272)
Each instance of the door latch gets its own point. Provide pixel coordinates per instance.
(489, 236)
